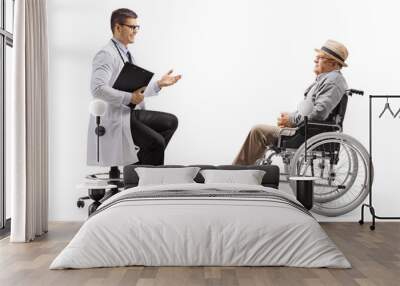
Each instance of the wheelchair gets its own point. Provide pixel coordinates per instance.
(340, 163)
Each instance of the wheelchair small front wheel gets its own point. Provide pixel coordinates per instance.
(341, 164)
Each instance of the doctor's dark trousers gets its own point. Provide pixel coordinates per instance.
(151, 132)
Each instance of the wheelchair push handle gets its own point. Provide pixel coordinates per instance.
(355, 91)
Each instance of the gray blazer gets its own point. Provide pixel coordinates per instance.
(116, 145)
(325, 93)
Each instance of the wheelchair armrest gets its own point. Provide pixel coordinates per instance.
(288, 131)
(315, 124)
(290, 137)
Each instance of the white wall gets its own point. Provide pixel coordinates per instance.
(242, 63)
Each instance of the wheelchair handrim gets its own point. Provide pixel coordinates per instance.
(323, 208)
(334, 191)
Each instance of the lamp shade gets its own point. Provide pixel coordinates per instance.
(97, 107)
(305, 107)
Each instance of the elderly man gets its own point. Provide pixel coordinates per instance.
(325, 93)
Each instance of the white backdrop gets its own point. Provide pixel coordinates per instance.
(242, 63)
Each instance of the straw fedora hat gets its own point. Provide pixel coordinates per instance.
(334, 50)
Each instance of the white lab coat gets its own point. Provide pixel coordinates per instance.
(116, 145)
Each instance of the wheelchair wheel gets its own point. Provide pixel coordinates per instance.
(335, 179)
(341, 164)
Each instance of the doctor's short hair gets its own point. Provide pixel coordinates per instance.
(119, 16)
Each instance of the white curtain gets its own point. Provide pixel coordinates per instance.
(29, 122)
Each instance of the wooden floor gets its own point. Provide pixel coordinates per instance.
(375, 256)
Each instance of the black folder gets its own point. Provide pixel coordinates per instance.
(132, 77)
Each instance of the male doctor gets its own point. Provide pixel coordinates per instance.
(132, 135)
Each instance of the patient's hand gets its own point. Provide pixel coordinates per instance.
(283, 120)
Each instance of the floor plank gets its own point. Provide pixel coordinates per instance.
(374, 255)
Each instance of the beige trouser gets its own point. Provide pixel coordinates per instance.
(260, 136)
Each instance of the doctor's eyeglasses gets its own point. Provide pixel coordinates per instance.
(132, 27)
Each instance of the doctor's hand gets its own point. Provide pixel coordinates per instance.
(137, 96)
(168, 79)
(283, 120)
